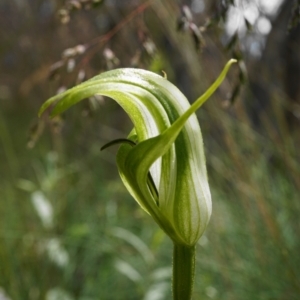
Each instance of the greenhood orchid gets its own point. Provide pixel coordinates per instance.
(161, 162)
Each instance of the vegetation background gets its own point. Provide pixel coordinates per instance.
(68, 228)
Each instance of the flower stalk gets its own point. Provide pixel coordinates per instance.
(183, 271)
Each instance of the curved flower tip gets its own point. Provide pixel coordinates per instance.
(164, 166)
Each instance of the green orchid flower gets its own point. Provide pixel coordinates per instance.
(161, 162)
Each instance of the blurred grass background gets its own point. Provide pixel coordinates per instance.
(68, 228)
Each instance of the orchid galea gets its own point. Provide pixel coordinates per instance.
(161, 162)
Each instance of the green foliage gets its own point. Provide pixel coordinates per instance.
(250, 250)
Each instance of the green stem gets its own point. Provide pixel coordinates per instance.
(183, 271)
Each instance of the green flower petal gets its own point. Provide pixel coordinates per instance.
(169, 145)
